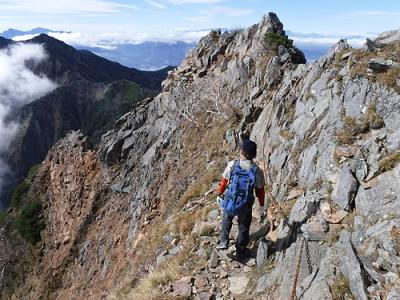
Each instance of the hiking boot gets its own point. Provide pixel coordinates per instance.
(240, 255)
(222, 245)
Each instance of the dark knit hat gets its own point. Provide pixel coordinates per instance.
(249, 149)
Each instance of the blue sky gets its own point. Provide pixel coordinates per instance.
(95, 16)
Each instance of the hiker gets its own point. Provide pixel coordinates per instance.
(239, 173)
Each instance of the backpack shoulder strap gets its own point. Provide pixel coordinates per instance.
(253, 168)
(234, 165)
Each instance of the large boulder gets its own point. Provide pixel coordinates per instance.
(345, 188)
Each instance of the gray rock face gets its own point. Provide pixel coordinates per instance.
(231, 139)
(394, 294)
(264, 282)
(304, 208)
(381, 199)
(205, 296)
(345, 188)
(388, 37)
(393, 141)
(262, 253)
(214, 260)
(351, 268)
(214, 214)
(315, 231)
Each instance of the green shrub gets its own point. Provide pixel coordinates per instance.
(274, 40)
(19, 191)
(32, 173)
(29, 223)
(3, 218)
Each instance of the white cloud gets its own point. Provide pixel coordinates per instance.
(18, 86)
(74, 38)
(326, 40)
(156, 4)
(199, 19)
(368, 13)
(111, 40)
(355, 42)
(228, 11)
(179, 2)
(65, 6)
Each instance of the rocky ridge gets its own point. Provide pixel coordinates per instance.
(138, 217)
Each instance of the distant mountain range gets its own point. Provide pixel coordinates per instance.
(143, 56)
(153, 55)
(11, 33)
(92, 93)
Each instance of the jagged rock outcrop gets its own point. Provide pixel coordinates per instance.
(328, 139)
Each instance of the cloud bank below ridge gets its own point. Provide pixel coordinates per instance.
(18, 86)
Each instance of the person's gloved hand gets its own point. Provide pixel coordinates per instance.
(220, 200)
(263, 213)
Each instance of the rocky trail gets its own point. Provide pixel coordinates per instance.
(224, 276)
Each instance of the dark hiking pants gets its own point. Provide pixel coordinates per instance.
(244, 221)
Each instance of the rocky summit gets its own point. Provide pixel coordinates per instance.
(137, 218)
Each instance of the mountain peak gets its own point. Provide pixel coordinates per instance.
(4, 42)
(272, 23)
(45, 38)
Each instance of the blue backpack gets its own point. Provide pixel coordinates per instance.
(240, 189)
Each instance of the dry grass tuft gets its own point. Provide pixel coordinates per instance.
(352, 129)
(317, 184)
(149, 246)
(185, 222)
(286, 134)
(389, 78)
(371, 118)
(340, 289)
(395, 233)
(389, 162)
(287, 207)
(150, 286)
(202, 184)
(207, 230)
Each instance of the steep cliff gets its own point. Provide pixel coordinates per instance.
(138, 220)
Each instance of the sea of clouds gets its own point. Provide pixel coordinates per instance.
(18, 86)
